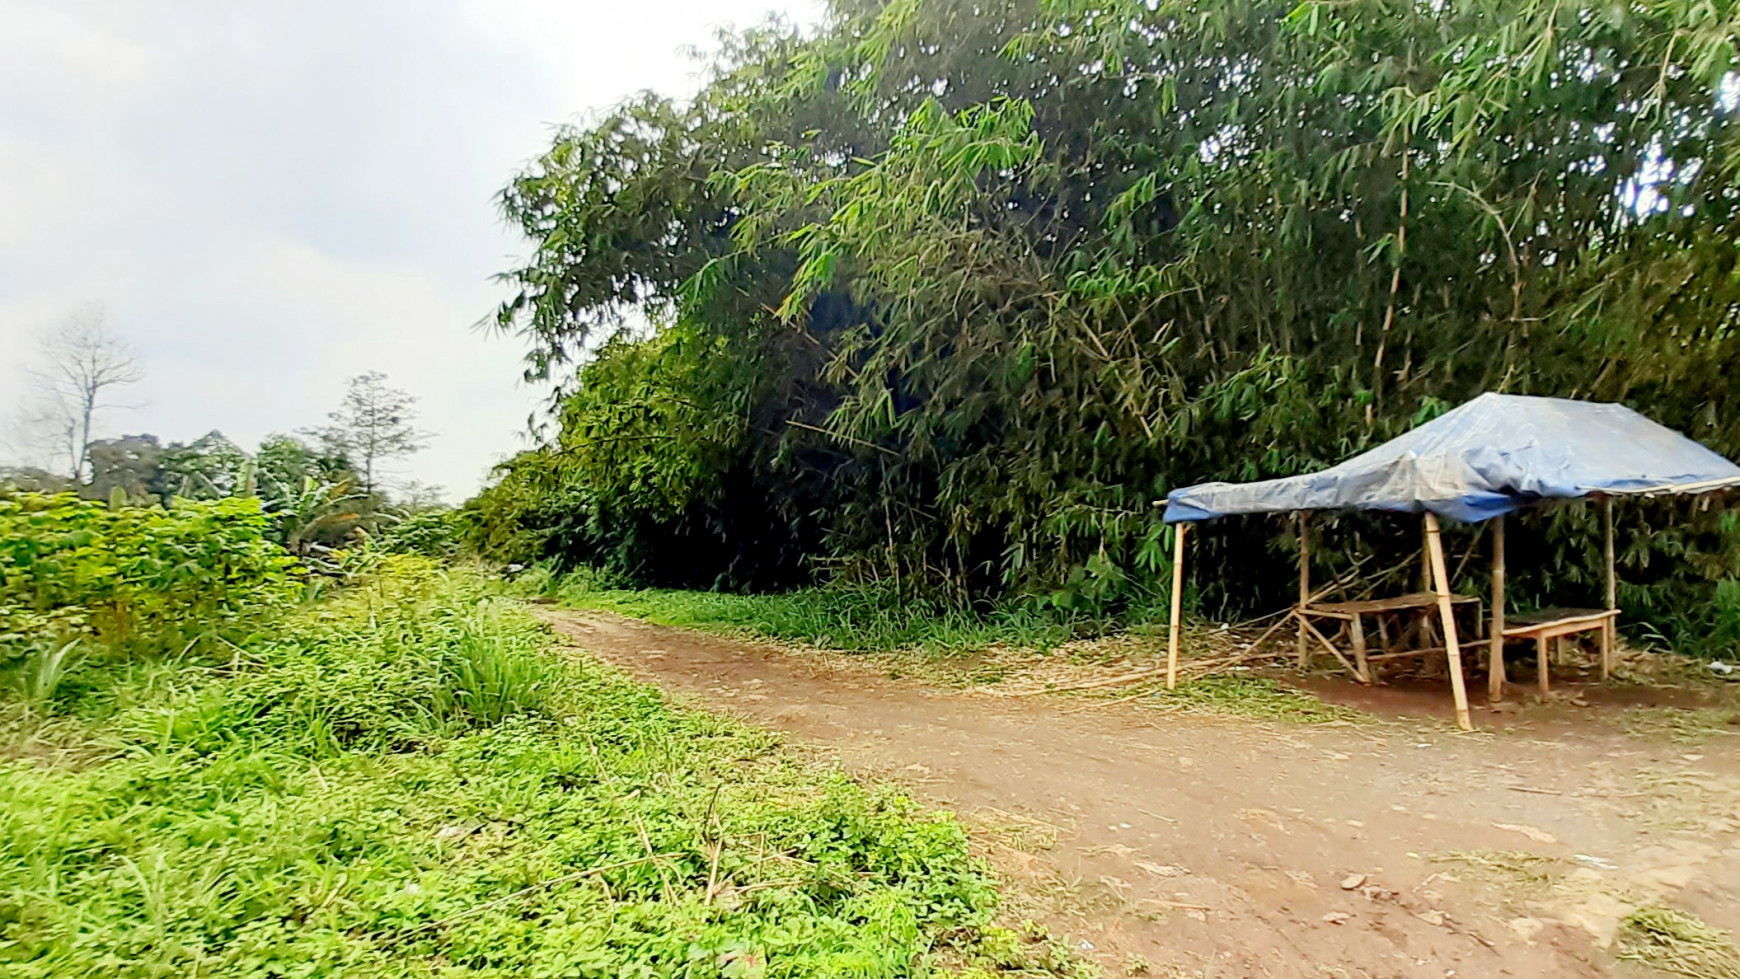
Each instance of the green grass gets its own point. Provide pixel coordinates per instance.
(408, 781)
(852, 619)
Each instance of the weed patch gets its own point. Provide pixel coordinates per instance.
(1683, 725)
(1678, 943)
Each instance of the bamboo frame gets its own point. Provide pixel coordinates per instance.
(1437, 576)
(1447, 614)
(1173, 627)
(1495, 637)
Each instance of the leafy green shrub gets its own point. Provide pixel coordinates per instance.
(311, 810)
(133, 576)
(431, 533)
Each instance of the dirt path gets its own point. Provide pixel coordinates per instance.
(1227, 846)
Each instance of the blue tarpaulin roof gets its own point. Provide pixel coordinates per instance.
(1494, 455)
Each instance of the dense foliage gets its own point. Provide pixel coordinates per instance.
(407, 781)
(947, 293)
(133, 577)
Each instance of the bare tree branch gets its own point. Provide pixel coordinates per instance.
(80, 365)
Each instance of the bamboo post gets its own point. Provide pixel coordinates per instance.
(1612, 576)
(1609, 627)
(1304, 586)
(1425, 562)
(1495, 638)
(1173, 628)
(1446, 613)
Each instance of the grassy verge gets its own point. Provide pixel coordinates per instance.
(1683, 725)
(405, 781)
(856, 620)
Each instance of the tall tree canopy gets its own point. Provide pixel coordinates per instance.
(949, 291)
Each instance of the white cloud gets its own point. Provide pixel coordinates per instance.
(272, 197)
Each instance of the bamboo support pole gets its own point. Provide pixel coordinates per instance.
(1176, 624)
(1304, 586)
(1612, 575)
(1446, 613)
(1609, 628)
(1495, 637)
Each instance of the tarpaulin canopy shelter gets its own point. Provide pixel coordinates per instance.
(1491, 456)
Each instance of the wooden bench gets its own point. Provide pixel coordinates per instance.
(1549, 625)
(1354, 613)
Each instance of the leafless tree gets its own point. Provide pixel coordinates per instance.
(80, 365)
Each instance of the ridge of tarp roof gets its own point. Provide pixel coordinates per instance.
(1494, 455)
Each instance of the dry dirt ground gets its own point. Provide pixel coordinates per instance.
(1232, 846)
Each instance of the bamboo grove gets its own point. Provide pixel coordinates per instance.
(945, 294)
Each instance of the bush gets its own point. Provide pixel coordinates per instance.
(431, 533)
(134, 577)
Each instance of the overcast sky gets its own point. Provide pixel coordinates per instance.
(271, 197)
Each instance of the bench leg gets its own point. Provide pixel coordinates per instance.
(1357, 630)
(1495, 667)
(1541, 663)
(1606, 649)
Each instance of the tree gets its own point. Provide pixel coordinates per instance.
(372, 425)
(210, 467)
(132, 463)
(80, 365)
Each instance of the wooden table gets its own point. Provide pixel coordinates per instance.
(1553, 623)
(1354, 613)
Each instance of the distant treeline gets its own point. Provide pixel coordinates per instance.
(947, 293)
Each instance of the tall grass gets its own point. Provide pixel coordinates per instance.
(407, 781)
(39, 675)
(493, 670)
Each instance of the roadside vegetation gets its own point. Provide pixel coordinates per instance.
(855, 619)
(944, 295)
(399, 774)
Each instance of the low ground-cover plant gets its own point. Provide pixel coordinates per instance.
(407, 781)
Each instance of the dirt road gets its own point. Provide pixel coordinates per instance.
(1229, 846)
